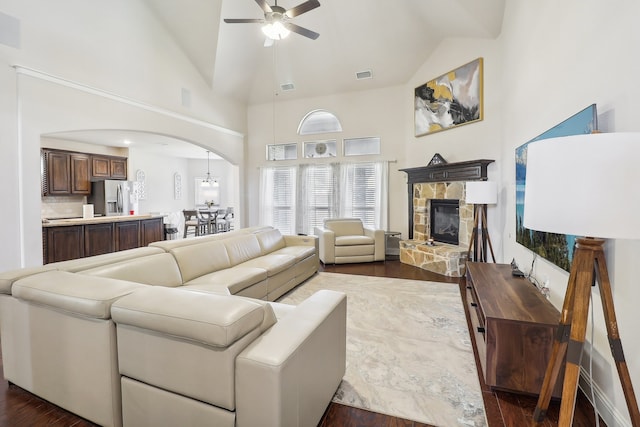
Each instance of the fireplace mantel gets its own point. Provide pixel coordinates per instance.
(472, 170)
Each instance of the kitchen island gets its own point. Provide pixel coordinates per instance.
(71, 238)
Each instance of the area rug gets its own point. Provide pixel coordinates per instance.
(409, 353)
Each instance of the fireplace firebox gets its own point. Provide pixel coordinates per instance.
(445, 220)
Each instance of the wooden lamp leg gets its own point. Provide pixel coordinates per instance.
(588, 259)
(474, 236)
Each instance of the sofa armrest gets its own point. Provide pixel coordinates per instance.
(380, 244)
(326, 244)
(289, 375)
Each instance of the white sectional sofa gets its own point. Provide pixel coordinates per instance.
(178, 333)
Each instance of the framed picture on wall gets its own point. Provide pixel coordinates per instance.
(557, 248)
(450, 100)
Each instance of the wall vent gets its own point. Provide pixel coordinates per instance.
(287, 87)
(366, 74)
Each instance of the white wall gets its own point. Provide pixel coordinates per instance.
(479, 140)
(119, 49)
(362, 114)
(560, 57)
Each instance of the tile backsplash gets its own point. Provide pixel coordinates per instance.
(62, 206)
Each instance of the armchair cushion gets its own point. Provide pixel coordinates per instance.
(354, 240)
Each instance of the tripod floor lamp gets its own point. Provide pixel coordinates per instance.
(480, 194)
(579, 185)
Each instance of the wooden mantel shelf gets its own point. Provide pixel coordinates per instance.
(445, 172)
(472, 170)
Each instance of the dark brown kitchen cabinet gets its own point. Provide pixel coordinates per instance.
(65, 173)
(107, 167)
(127, 235)
(63, 243)
(98, 239)
(152, 230)
(80, 183)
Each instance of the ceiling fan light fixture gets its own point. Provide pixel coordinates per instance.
(275, 30)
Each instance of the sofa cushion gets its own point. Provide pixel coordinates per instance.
(354, 240)
(80, 264)
(235, 279)
(242, 248)
(158, 270)
(272, 263)
(270, 240)
(345, 227)
(298, 252)
(214, 320)
(80, 294)
(200, 259)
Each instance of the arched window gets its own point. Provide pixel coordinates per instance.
(319, 121)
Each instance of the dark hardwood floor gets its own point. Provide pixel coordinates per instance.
(20, 408)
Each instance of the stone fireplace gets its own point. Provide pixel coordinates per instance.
(439, 182)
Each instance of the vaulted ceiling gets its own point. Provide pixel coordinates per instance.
(392, 39)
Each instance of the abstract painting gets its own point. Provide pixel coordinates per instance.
(451, 100)
(557, 248)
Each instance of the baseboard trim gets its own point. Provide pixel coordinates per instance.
(608, 412)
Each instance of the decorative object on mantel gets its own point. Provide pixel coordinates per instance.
(177, 186)
(594, 161)
(437, 159)
(557, 248)
(141, 187)
(480, 194)
(451, 100)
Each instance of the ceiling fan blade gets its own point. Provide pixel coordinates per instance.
(264, 6)
(300, 30)
(244, 21)
(302, 8)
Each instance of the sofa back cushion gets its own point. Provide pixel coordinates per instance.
(203, 258)
(270, 240)
(345, 226)
(242, 248)
(158, 270)
(81, 264)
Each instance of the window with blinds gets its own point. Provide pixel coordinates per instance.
(322, 191)
(318, 192)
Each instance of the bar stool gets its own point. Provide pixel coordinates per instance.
(192, 218)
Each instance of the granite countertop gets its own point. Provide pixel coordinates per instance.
(95, 220)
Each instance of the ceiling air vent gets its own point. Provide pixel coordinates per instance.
(287, 86)
(366, 74)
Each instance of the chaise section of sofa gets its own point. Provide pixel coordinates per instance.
(177, 344)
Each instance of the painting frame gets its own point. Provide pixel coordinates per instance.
(556, 248)
(450, 100)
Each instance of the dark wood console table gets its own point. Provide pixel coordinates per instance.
(514, 326)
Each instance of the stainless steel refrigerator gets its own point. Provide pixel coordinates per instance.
(111, 197)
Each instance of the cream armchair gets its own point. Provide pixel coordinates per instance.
(347, 240)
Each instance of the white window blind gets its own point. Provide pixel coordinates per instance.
(357, 190)
(277, 198)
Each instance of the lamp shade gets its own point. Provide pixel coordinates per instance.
(482, 192)
(584, 185)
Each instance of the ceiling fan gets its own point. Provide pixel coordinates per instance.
(276, 20)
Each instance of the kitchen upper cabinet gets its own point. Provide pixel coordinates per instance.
(107, 167)
(65, 173)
